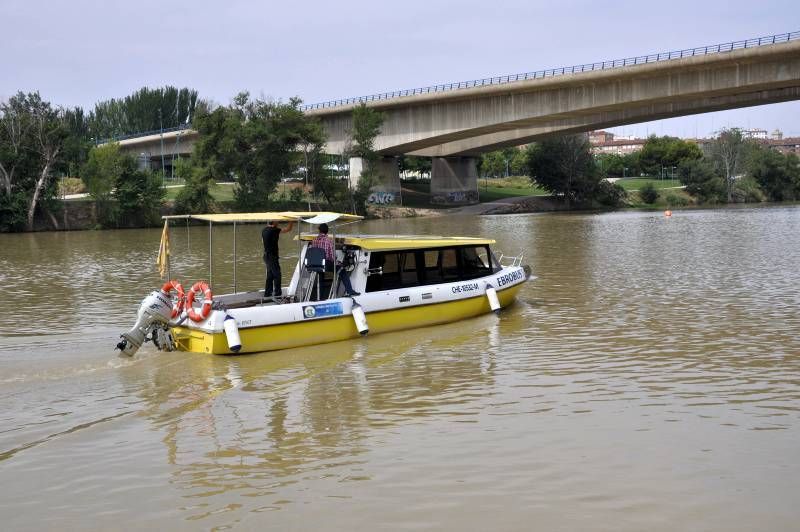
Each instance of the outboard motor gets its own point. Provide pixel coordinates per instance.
(152, 319)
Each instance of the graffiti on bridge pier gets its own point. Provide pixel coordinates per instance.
(381, 198)
(456, 197)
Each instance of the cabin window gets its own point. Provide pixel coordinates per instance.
(408, 269)
(403, 269)
(449, 261)
(476, 262)
(399, 270)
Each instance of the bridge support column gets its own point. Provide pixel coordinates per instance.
(454, 181)
(386, 191)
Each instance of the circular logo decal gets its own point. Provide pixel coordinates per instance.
(309, 312)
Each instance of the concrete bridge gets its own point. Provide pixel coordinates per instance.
(455, 123)
(159, 149)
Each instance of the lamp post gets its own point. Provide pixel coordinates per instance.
(161, 128)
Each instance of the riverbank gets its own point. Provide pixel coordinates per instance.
(80, 214)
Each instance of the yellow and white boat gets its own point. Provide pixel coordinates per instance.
(403, 282)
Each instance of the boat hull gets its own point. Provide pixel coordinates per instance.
(342, 327)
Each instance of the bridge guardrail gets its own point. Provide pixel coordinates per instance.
(118, 138)
(575, 69)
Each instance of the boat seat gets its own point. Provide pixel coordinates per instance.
(314, 263)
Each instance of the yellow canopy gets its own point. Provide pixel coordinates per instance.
(391, 242)
(256, 217)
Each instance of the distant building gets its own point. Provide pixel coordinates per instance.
(618, 147)
(784, 145)
(757, 134)
(604, 142)
(600, 137)
(703, 144)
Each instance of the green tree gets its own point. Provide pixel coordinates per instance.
(139, 195)
(702, 180)
(367, 123)
(18, 161)
(519, 162)
(145, 110)
(611, 164)
(76, 144)
(124, 195)
(103, 169)
(565, 166)
(256, 141)
(195, 196)
(666, 152)
(505, 162)
(32, 134)
(493, 164)
(421, 166)
(776, 174)
(728, 151)
(312, 160)
(631, 164)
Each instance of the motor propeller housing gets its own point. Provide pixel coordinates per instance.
(154, 313)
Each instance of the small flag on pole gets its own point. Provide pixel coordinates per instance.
(162, 261)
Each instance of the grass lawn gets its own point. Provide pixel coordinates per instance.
(220, 192)
(636, 183)
(418, 194)
(495, 193)
(491, 189)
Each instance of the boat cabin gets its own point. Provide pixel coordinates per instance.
(381, 263)
(373, 263)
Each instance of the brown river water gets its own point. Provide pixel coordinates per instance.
(649, 379)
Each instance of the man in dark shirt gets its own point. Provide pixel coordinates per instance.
(270, 236)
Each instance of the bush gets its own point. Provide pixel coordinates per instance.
(195, 196)
(13, 211)
(610, 194)
(296, 195)
(676, 200)
(702, 180)
(139, 195)
(71, 185)
(648, 193)
(747, 190)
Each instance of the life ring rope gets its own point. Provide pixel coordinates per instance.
(177, 306)
(208, 298)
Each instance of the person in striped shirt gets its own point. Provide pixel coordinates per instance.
(325, 243)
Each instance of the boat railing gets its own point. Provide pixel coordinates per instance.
(509, 261)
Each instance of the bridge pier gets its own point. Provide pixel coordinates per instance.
(454, 180)
(387, 190)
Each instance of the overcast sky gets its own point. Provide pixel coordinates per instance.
(80, 51)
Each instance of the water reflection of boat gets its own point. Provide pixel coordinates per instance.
(401, 282)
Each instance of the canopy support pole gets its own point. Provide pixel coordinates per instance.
(169, 275)
(335, 277)
(234, 257)
(209, 253)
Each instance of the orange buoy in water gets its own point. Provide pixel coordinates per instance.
(667, 213)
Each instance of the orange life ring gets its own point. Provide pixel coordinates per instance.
(205, 310)
(177, 307)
